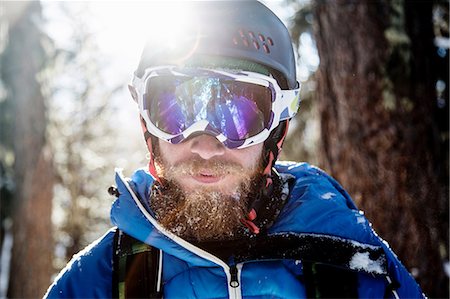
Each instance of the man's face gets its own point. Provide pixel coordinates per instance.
(209, 186)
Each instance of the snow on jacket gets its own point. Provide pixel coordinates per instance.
(317, 206)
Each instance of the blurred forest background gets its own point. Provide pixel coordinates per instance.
(375, 115)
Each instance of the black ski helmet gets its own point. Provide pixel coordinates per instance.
(243, 30)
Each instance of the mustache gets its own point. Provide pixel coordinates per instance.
(216, 167)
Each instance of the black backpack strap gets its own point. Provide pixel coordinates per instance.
(136, 268)
(325, 281)
(318, 248)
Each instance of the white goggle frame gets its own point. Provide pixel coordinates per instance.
(285, 105)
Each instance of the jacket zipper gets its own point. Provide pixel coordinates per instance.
(234, 285)
(234, 281)
(234, 292)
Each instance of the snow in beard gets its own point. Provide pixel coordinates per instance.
(203, 213)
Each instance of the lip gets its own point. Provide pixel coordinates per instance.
(206, 178)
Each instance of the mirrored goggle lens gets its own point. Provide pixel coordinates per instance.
(238, 110)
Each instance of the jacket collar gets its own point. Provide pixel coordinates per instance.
(317, 206)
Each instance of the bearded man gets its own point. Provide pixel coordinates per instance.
(214, 215)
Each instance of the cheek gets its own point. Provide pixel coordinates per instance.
(251, 156)
(171, 153)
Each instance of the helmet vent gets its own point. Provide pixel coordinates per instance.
(250, 38)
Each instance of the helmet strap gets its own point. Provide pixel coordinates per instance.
(257, 219)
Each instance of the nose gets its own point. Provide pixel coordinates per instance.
(206, 146)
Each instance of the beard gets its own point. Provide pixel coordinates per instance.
(204, 214)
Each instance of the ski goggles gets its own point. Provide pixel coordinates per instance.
(239, 108)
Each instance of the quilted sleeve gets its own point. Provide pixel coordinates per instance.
(88, 274)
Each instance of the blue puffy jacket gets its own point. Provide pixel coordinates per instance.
(317, 209)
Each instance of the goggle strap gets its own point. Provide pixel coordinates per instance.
(290, 99)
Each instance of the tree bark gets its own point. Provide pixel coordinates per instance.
(31, 265)
(376, 100)
(23, 59)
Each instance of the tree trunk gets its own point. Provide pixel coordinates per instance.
(23, 59)
(376, 95)
(31, 265)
